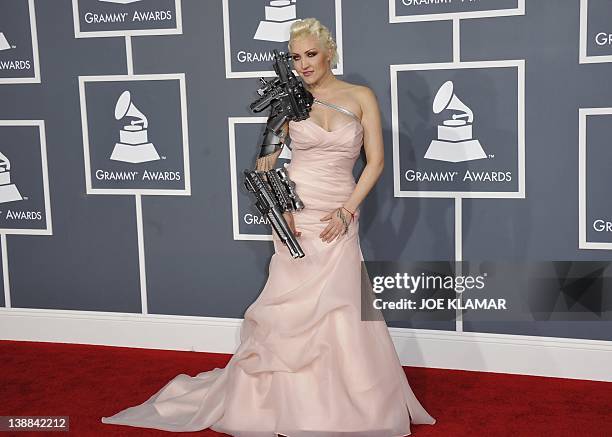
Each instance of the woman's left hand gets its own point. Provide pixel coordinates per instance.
(339, 219)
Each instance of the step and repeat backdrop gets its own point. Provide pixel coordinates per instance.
(125, 127)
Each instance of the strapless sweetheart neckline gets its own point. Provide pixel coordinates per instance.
(337, 129)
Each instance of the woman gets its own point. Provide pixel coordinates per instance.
(307, 365)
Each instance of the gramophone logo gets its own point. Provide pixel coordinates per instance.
(18, 43)
(133, 145)
(8, 190)
(252, 29)
(280, 15)
(4, 44)
(454, 142)
(454, 137)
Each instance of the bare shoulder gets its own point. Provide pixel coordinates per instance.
(357, 98)
(365, 95)
(360, 91)
(366, 99)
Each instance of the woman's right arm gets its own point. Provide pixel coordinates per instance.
(268, 162)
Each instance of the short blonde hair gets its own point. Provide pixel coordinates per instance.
(313, 27)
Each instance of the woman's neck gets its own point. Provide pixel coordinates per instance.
(322, 87)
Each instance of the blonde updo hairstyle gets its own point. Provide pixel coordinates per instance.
(313, 27)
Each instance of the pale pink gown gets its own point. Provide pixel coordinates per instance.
(307, 366)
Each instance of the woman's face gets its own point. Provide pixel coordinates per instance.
(310, 60)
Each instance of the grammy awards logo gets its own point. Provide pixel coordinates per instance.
(121, 2)
(8, 190)
(133, 145)
(280, 15)
(454, 142)
(4, 44)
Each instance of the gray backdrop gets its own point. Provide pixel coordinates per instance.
(194, 266)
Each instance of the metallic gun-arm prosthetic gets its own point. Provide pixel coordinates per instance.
(274, 192)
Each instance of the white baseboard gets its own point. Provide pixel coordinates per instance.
(498, 353)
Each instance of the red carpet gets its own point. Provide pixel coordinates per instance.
(87, 382)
